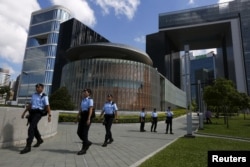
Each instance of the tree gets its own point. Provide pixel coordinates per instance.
(244, 102)
(5, 90)
(223, 95)
(61, 100)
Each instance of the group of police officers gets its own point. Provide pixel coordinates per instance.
(154, 120)
(40, 103)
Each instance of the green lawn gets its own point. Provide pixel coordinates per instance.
(238, 126)
(192, 152)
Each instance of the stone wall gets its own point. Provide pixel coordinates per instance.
(14, 131)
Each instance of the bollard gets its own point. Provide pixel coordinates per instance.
(201, 121)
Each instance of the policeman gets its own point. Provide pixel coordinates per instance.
(39, 102)
(84, 116)
(169, 118)
(142, 120)
(154, 117)
(110, 112)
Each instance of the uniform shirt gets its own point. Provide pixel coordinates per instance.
(169, 113)
(109, 108)
(142, 114)
(86, 104)
(38, 101)
(154, 114)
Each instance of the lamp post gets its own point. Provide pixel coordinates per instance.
(27, 74)
(188, 94)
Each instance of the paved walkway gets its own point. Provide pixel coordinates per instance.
(130, 147)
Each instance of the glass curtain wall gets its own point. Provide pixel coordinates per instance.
(134, 85)
(39, 58)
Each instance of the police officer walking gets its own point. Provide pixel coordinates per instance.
(142, 119)
(84, 116)
(39, 102)
(110, 112)
(169, 118)
(154, 117)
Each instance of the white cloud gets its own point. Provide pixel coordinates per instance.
(191, 2)
(15, 18)
(140, 39)
(222, 1)
(7, 66)
(202, 52)
(80, 10)
(121, 7)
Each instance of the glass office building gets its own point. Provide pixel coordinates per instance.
(40, 52)
(72, 33)
(123, 71)
(222, 26)
(201, 69)
(4, 77)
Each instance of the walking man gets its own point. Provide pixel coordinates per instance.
(110, 112)
(39, 102)
(85, 113)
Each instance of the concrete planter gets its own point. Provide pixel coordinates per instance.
(13, 129)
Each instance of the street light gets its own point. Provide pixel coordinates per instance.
(27, 74)
(187, 89)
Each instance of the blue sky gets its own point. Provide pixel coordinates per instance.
(120, 21)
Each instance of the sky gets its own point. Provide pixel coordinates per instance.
(120, 21)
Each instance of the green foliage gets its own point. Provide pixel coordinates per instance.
(223, 94)
(238, 126)
(61, 100)
(186, 152)
(133, 118)
(192, 152)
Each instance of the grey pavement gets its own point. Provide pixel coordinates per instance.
(130, 147)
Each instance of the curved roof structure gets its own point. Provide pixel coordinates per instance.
(107, 50)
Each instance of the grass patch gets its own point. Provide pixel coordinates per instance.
(192, 152)
(238, 126)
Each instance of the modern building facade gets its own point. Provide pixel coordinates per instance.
(72, 33)
(202, 70)
(121, 70)
(40, 52)
(61, 51)
(222, 26)
(4, 77)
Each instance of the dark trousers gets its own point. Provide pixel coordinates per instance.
(83, 128)
(142, 119)
(154, 124)
(169, 124)
(109, 120)
(33, 131)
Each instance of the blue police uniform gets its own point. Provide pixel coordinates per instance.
(109, 110)
(142, 121)
(154, 116)
(169, 118)
(38, 103)
(83, 127)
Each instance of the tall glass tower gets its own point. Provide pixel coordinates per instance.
(40, 52)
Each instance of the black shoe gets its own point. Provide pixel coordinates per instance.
(171, 133)
(105, 144)
(110, 141)
(88, 145)
(81, 152)
(155, 131)
(166, 133)
(25, 150)
(39, 142)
